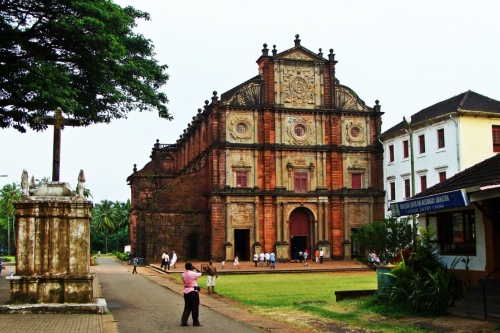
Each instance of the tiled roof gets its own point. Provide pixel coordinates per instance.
(485, 173)
(467, 101)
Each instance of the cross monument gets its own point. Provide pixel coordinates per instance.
(59, 122)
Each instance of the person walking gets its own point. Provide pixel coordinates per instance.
(255, 259)
(135, 261)
(237, 262)
(305, 255)
(163, 262)
(267, 256)
(262, 257)
(191, 296)
(173, 260)
(272, 258)
(211, 272)
(316, 255)
(321, 256)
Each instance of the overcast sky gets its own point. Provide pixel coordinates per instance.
(407, 54)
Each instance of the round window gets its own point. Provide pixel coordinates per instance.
(241, 128)
(354, 132)
(300, 130)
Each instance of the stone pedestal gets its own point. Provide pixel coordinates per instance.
(53, 248)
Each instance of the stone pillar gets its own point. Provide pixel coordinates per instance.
(53, 246)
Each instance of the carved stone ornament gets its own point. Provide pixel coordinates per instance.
(242, 214)
(300, 131)
(241, 128)
(355, 133)
(298, 86)
(247, 95)
(348, 100)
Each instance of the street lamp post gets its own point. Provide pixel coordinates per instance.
(407, 122)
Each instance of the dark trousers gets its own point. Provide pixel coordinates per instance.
(321, 259)
(191, 305)
(134, 271)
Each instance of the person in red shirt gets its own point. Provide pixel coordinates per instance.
(191, 296)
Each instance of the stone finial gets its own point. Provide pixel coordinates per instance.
(215, 99)
(331, 56)
(157, 144)
(274, 50)
(25, 187)
(135, 168)
(199, 110)
(297, 40)
(320, 53)
(265, 50)
(377, 107)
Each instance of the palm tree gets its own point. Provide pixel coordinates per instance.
(103, 218)
(122, 214)
(8, 194)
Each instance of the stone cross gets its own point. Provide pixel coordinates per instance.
(59, 122)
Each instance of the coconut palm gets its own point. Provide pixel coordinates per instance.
(8, 194)
(103, 218)
(122, 214)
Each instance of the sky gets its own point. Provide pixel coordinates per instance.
(407, 54)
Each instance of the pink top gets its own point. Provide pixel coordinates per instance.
(189, 278)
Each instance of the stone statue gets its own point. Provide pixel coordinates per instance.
(80, 187)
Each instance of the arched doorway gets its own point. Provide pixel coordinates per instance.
(193, 246)
(300, 232)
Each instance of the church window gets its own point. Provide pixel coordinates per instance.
(440, 134)
(456, 233)
(241, 128)
(354, 131)
(496, 138)
(356, 180)
(300, 182)
(241, 179)
(300, 130)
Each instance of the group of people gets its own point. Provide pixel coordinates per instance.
(269, 259)
(168, 260)
(374, 259)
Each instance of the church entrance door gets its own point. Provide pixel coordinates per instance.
(193, 241)
(300, 232)
(242, 243)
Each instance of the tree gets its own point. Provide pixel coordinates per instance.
(8, 194)
(388, 235)
(103, 219)
(80, 55)
(122, 214)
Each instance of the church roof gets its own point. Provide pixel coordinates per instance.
(483, 174)
(468, 101)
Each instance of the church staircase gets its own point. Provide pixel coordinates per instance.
(472, 304)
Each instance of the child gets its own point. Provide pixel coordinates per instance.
(237, 262)
(223, 264)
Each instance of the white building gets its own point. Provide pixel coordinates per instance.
(447, 137)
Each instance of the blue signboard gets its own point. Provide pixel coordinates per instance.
(431, 203)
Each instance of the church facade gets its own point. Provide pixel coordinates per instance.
(286, 161)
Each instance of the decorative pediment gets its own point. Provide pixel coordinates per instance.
(347, 100)
(298, 54)
(248, 94)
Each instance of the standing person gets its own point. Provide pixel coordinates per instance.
(173, 260)
(305, 254)
(191, 296)
(321, 256)
(163, 262)
(237, 262)
(211, 272)
(255, 259)
(167, 261)
(301, 256)
(267, 256)
(261, 259)
(316, 255)
(272, 257)
(135, 261)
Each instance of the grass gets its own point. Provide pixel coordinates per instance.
(309, 300)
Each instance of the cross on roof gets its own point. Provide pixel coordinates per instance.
(58, 122)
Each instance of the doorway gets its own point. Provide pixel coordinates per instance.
(242, 244)
(300, 232)
(193, 246)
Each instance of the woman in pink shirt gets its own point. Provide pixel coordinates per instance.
(191, 296)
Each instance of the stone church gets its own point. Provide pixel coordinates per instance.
(286, 161)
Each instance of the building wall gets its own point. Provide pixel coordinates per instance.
(476, 143)
(293, 118)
